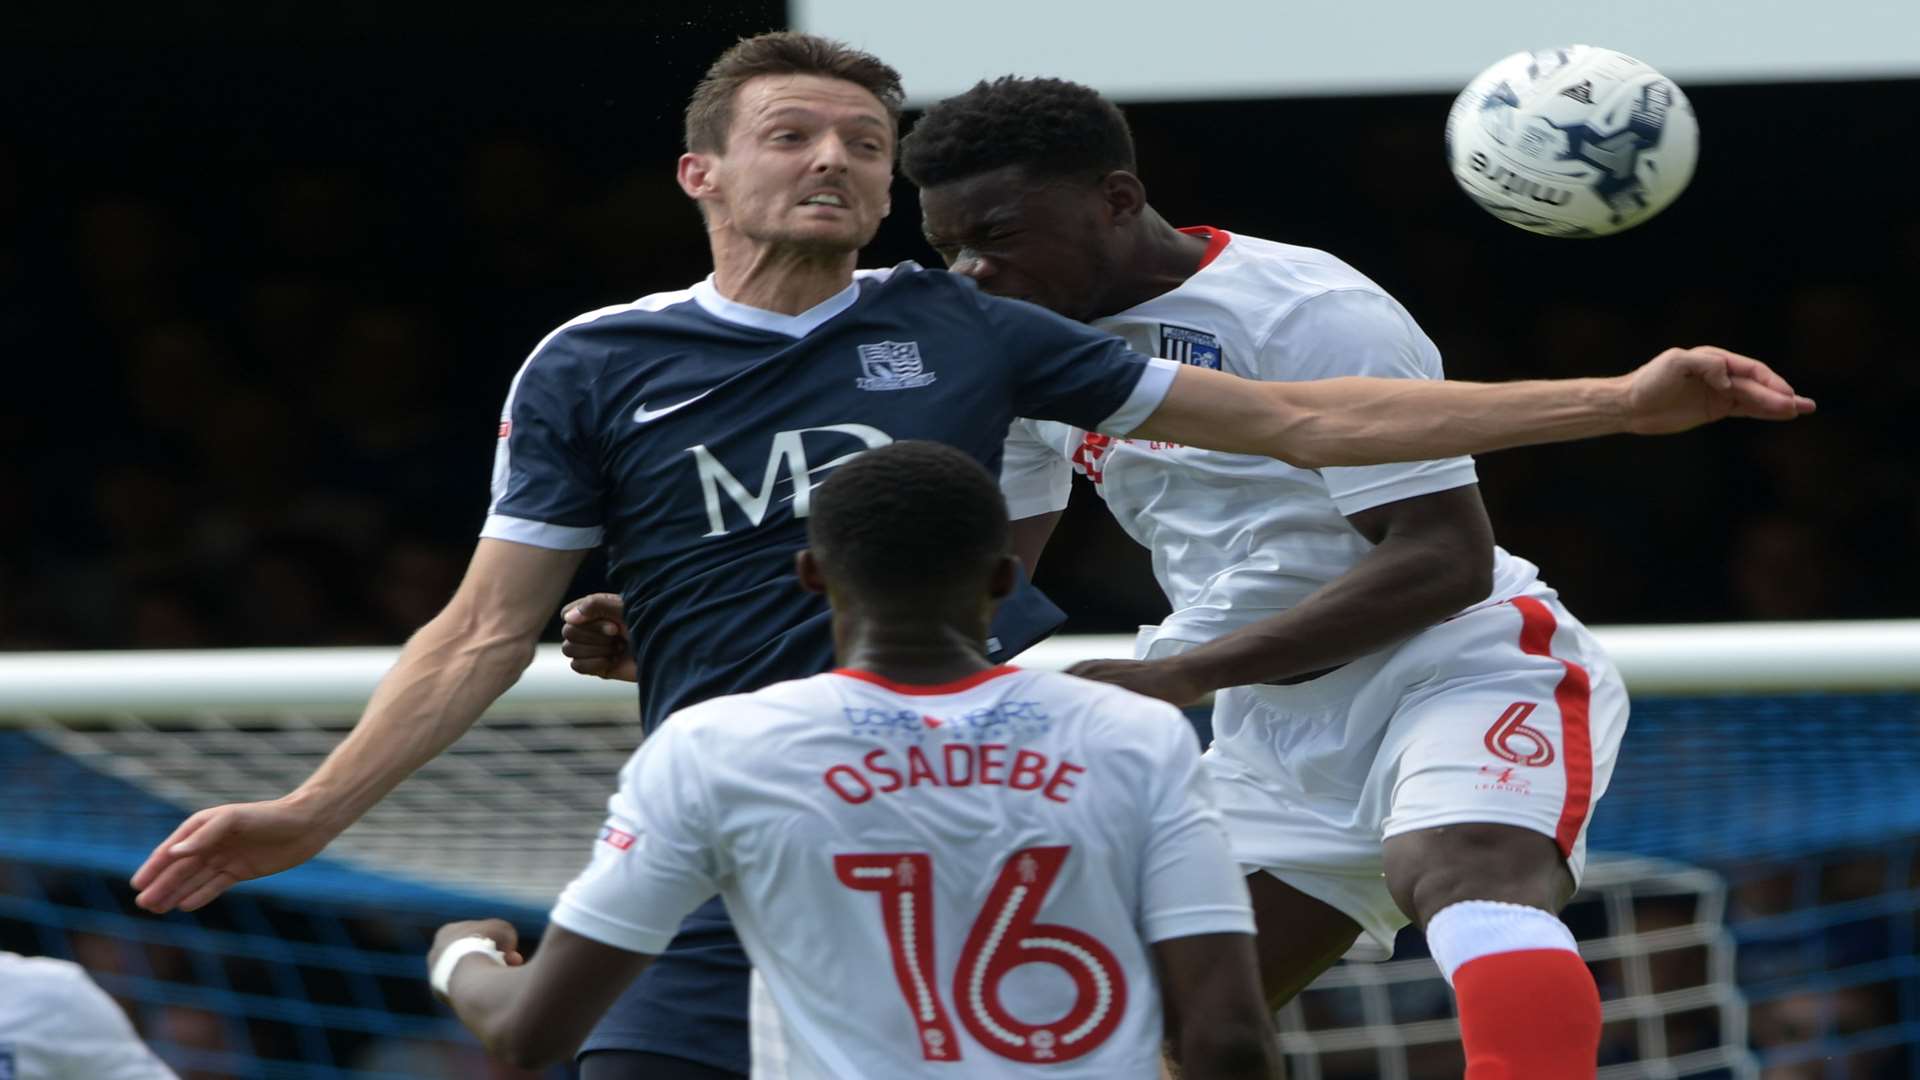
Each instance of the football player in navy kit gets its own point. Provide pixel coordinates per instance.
(685, 431)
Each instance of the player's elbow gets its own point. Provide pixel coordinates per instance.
(1224, 1049)
(1285, 428)
(498, 640)
(1469, 579)
(526, 1045)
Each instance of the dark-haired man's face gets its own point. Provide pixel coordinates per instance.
(1044, 242)
(808, 162)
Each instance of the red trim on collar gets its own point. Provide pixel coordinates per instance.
(1216, 242)
(924, 690)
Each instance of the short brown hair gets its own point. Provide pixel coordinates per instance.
(784, 52)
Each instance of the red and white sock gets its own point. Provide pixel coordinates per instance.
(1529, 1009)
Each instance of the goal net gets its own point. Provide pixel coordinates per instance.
(1756, 913)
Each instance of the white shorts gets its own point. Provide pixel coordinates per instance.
(1510, 714)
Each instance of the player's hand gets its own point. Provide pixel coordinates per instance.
(219, 847)
(593, 635)
(498, 931)
(1684, 388)
(1163, 679)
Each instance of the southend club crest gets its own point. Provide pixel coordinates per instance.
(1196, 347)
(892, 365)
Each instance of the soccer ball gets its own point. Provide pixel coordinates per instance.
(1580, 141)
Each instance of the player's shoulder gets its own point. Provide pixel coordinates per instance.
(1116, 717)
(744, 719)
(578, 350)
(907, 274)
(1308, 270)
(48, 978)
(1281, 277)
(659, 311)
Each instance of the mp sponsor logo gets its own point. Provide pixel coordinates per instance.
(792, 454)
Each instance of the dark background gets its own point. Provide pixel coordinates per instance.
(264, 281)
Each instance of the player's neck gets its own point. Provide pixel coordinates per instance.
(1162, 259)
(921, 652)
(782, 278)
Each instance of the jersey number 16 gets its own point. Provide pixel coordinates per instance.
(1004, 936)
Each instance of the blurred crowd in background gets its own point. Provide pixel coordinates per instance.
(261, 307)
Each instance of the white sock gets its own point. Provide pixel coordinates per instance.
(1471, 929)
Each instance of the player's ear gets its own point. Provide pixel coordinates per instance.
(1005, 578)
(807, 569)
(1124, 195)
(696, 173)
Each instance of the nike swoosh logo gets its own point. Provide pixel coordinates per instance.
(643, 414)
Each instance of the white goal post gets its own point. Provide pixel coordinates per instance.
(1702, 659)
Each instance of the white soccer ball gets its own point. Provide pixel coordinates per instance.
(1580, 141)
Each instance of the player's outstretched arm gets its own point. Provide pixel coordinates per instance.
(1219, 1024)
(531, 1014)
(446, 676)
(1365, 421)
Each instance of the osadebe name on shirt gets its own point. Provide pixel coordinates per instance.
(954, 765)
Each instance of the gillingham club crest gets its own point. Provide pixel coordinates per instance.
(1196, 347)
(892, 365)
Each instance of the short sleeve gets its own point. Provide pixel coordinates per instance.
(1035, 476)
(84, 1031)
(1068, 371)
(546, 482)
(1362, 332)
(1189, 882)
(653, 862)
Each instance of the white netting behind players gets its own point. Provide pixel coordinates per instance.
(511, 810)
(1655, 935)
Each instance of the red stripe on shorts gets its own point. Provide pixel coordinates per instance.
(1576, 737)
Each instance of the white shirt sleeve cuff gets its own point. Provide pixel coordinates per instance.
(1147, 395)
(541, 534)
(1402, 482)
(620, 935)
(1034, 503)
(1193, 921)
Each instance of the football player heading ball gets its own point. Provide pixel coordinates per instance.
(634, 425)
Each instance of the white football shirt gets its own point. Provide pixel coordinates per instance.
(1237, 538)
(55, 1024)
(958, 880)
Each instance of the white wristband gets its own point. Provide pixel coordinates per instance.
(458, 951)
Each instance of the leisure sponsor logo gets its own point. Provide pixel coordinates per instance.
(1187, 346)
(1502, 778)
(892, 365)
(614, 838)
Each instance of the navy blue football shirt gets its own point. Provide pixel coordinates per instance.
(686, 433)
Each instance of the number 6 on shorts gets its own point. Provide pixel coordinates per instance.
(1004, 936)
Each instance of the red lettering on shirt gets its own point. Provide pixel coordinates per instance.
(850, 785)
(1029, 771)
(919, 769)
(876, 764)
(963, 754)
(1062, 781)
(993, 762)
